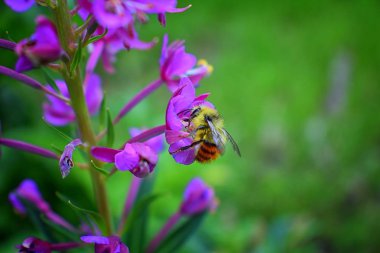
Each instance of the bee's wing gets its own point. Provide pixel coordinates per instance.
(234, 145)
(217, 137)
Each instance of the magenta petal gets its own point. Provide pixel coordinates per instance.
(109, 19)
(95, 239)
(23, 64)
(127, 159)
(185, 157)
(19, 5)
(104, 154)
(145, 152)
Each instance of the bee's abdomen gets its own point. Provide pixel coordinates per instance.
(207, 152)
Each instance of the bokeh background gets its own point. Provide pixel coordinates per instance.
(298, 85)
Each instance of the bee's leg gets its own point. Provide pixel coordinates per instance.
(186, 147)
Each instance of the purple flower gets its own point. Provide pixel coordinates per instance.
(115, 14)
(176, 63)
(178, 131)
(28, 191)
(19, 5)
(155, 143)
(58, 113)
(110, 244)
(138, 158)
(35, 245)
(66, 161)
(160, 7)
(114, 41)
(41, 48)
(198, 197)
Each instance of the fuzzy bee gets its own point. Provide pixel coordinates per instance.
(206, 126)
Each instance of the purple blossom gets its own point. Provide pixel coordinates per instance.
(58, 113)
(178, 131)
(19, 5)
(115, 14)
(32, 244)
(28, 191)
(66, 160)
(41, 48)
(114, 41)
(138, 158)
(35, 245)
(110, 244)
(176, 63)
(198, 197)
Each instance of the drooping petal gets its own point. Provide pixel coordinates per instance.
(66, 160)
(185, 157)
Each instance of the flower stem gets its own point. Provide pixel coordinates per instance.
(146, 135)
(163, 232)
(137, 99)
(65, 246)
(10, 45)
(74, 85)
(133, 102)
(132, 193)
(31, 82)
(28, 148)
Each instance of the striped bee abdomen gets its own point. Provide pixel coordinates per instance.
(207, 152)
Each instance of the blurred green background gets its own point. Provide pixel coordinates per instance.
(298, 85)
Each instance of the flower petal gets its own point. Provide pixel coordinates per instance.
(105, 154)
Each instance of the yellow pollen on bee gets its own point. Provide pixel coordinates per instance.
(203, 62)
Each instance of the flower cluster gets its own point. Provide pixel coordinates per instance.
(104, 28)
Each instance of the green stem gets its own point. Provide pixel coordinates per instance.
(74, 84)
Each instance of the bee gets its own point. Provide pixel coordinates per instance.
(206, 126)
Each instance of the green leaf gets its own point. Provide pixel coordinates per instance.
(96, 38)
(77, 57)
(56, 149)
(101, 170)
(68, 138)
(69, 235)
(180, 235)
(110, 130)
(35, 216)
(77, 208)
(49, 79)
(102, 113)
(137, 231)
(142, 205)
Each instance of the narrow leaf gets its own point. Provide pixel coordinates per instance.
(101, 170)
(96, 38)
(77, 57)
(62, 231)
(180, 235)
(110, 130)
(49, 79)
(77, 208)
(58, 131)
(142, 205)
(137, 231)
(35, 216)
(103, 113)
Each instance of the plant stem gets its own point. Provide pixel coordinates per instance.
(133, 102)
(7, 44)
(74, 85)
